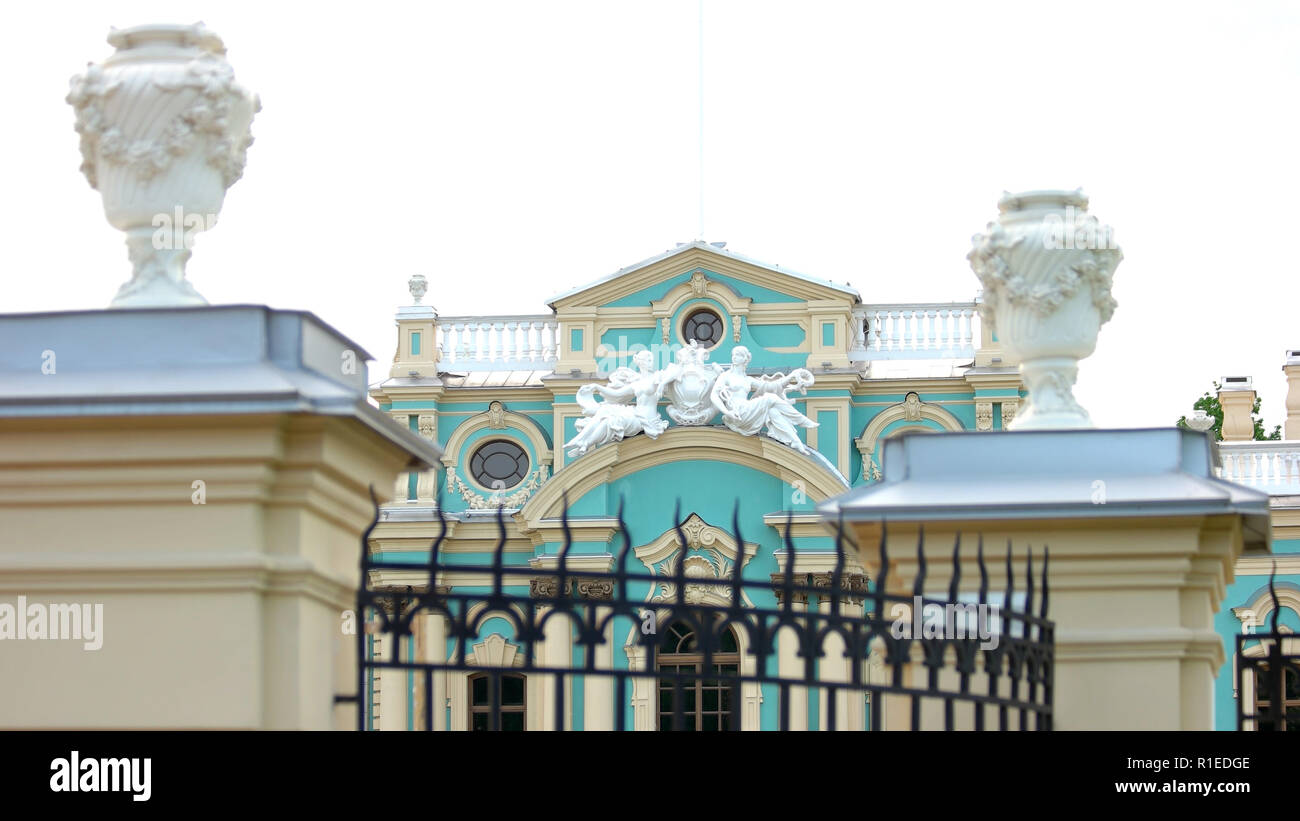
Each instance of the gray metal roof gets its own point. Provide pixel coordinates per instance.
(1052, 474)
(222, 359)
(711, 248)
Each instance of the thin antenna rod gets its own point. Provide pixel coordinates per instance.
(700, 235)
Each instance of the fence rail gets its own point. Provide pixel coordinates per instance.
(734, 636)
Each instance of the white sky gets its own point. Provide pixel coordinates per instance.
(511, 150)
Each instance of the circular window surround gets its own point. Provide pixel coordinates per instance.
(699, 307)
(478, 446)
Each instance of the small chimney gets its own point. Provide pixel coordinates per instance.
(1291, 367)
(1237, 397)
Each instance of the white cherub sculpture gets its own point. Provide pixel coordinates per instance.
(631, 406)
(768, 407)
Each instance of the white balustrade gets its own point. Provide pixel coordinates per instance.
(933, 330)
(498, 343)
(1273, 467)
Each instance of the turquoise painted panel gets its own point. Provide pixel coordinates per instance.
(828, 435)
(1286, 545)
(828, 334)
(745, 289)
(575, 340)
(895, 398)
(415, 343)
(838, 393)
(621, 344)
(761, 357)
(776, 336)
(478, 407)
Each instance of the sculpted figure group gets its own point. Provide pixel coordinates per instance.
(697, 392)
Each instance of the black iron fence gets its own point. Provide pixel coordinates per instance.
(1268, 675)
(872, 659)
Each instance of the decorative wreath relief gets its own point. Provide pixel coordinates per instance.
(211, 76)
(1083, 268)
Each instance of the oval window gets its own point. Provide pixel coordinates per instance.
(499, 464)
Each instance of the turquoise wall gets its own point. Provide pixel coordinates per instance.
(657, 291)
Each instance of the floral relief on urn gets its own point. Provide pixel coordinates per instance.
(164, 133)
(1047, 268)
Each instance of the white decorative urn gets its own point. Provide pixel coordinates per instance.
(1046, 266)
(164, 130)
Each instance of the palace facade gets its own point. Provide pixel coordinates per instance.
(674, 345)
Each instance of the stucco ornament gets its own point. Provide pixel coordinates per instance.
(769, 407)
(164, 130)
(631, 406)
(690, 389)
(1046, 267)
(912, 407)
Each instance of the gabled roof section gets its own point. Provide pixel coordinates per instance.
(705, 253)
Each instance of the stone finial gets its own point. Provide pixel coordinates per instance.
(164, 131)
(419, 286)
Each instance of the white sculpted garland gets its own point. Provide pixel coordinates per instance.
(1047, 267)
(164, 132)
(697, 393)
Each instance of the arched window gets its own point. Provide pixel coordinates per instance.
(512, 701)
(1290, 697)
(706, 704)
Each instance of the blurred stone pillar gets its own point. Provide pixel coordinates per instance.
(1291, 430)
(203, 474)
(1143, 540)
(1237, 398)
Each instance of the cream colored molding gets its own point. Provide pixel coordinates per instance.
(703, 537)
(599, 530)
(801, 525)
(1261, 608)
(1009, 407)
(983, 416)
(618, 459)
(699, 286)
(154, 572)
(500, 419)
(495, 651)
(911, 410)
(697, 258)
(1287, 564)
(840, 405)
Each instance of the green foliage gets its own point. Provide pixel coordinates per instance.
(1210, 404)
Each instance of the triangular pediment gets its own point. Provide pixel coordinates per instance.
(647, 281)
